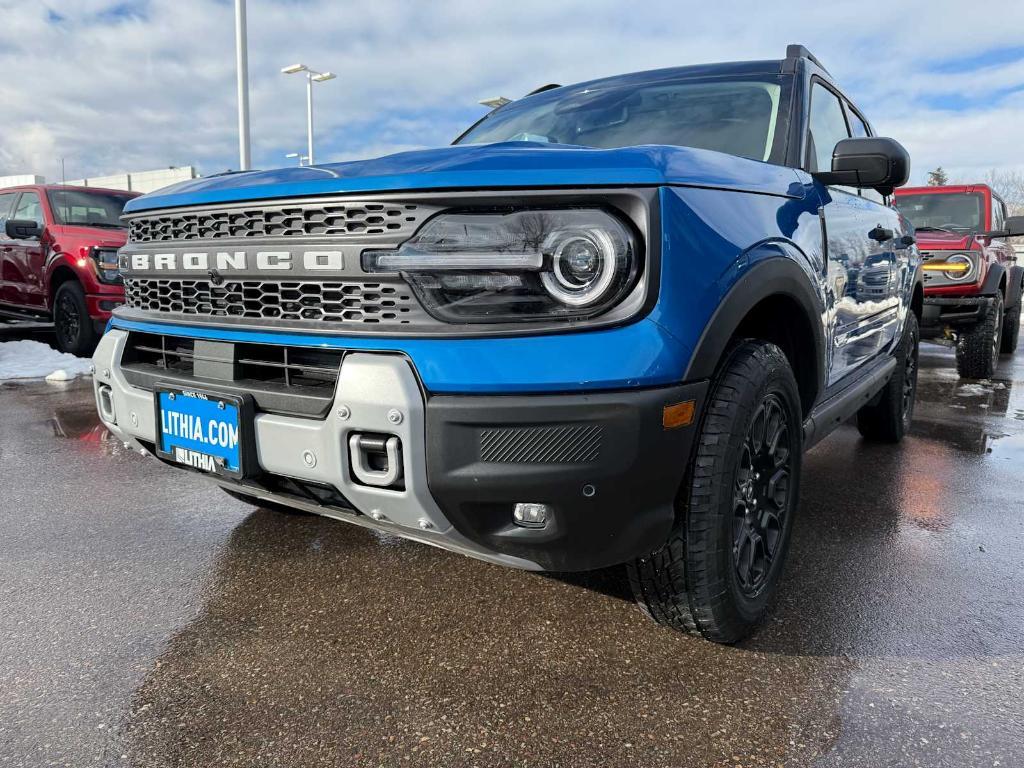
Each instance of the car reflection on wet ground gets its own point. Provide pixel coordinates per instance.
(147, 619)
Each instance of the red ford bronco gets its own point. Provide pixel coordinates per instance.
(58, 253)
(972, 282)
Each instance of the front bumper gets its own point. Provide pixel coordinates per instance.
(603, 462)
(941, 312)
(100, 306)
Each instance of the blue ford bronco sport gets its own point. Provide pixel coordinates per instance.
(601, 328)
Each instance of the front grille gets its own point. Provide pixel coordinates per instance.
(314, 219)
(263, 364)
(330, 302)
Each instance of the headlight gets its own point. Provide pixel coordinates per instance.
(106, 265)
(525, 265)
(959, 267)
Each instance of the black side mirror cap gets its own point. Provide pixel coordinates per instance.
(22, 229)
(1012, 227)
(871, 162)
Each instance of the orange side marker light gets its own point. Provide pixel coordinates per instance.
(678, 414)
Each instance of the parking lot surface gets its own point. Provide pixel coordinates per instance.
(148, 619)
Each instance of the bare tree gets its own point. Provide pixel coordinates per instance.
(1009, 185)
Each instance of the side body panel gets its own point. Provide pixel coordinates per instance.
(866, 276)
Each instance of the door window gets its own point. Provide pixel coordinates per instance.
(6, 201)
(858, 127)
(998, 213)
(29, 208)
(827, 128)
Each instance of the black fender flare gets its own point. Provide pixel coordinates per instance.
(1014, 285)
(991, 285)
(775, 275)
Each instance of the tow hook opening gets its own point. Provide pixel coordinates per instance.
(105, 399)
(376, 460)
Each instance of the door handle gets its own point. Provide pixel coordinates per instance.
(880, 234)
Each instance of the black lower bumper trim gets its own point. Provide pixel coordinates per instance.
(953, 311)
(603, 462)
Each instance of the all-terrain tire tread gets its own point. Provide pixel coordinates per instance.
(678, 585)
(883, 421)
(974, 347)
(1011, 331)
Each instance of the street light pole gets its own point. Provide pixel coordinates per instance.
(309, 117)
(242, 62)
(312, 76)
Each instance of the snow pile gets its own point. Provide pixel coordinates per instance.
(973, 390)
(982, 387)
(34, 360)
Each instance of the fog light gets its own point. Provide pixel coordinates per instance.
(531, 515)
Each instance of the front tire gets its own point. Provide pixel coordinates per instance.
(977, 350)
(888, 419)
(1011, 331)
(719, 570)
(74, 329)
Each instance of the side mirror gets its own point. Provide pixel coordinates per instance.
(868, 162)
(22, 229)
(1014, 226)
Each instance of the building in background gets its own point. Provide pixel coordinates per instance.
(140, 181)
(137, 181)
(21, 180)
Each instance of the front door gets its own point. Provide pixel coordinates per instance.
(6, 204)
(863, 269)
(866, 272)
(24, 260)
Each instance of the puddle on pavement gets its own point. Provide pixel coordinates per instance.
(82, 425)
(1010, 448)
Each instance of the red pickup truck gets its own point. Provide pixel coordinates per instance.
(58, 258)
(972, 282)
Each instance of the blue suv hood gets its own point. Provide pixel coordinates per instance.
(487, 166)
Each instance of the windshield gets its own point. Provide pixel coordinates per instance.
(738, 117)
(955, 212)
(95, 209)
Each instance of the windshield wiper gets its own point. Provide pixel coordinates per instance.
(936, 229)
(99, 224)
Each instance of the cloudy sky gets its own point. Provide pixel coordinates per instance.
(121, 86)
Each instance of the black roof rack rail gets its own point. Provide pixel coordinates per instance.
(797, 51)
(543, 88)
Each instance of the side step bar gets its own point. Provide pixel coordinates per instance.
(829, 414)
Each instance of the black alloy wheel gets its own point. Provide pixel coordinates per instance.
(67, 323)
(761, 497)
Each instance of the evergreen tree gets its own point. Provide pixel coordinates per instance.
(938, 177)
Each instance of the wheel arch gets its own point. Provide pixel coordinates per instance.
(1015, 286)
(772, 301)
(995, 281)
(917, 299)
(59, 275)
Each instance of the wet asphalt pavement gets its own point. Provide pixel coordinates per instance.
(147, 619)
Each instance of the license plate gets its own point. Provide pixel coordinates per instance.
(201, 430)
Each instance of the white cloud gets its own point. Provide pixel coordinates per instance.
(155, 86)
